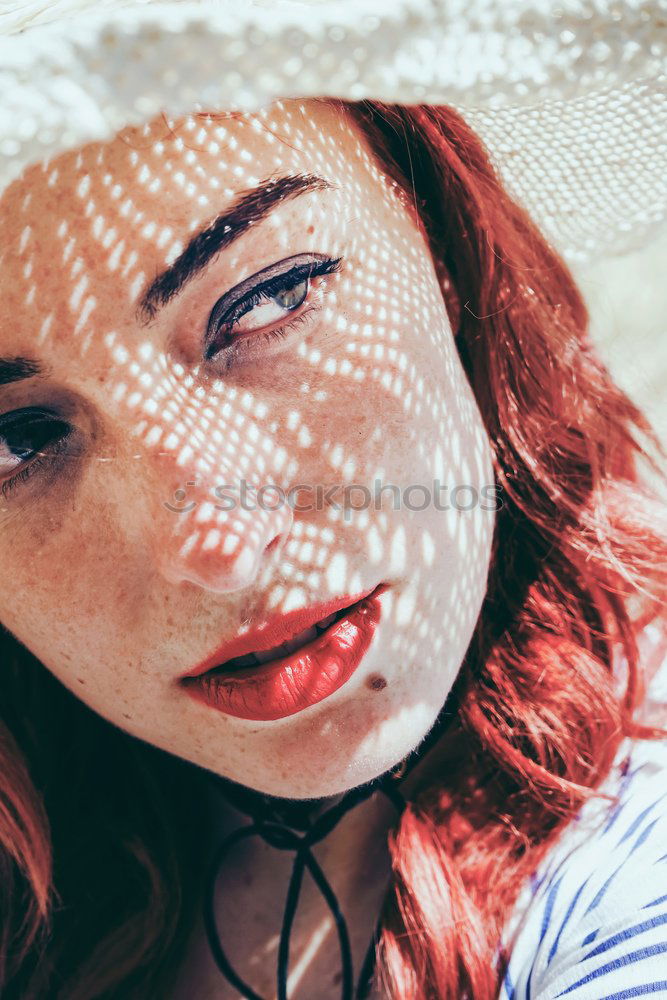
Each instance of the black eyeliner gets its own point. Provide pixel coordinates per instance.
(273, 277)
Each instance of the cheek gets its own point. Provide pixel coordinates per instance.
(68, 604)
(397, 402)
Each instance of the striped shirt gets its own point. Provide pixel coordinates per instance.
(591, 922)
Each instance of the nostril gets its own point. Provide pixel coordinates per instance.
(275, 543)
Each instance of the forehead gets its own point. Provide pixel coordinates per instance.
(194, 161)
(99, 222)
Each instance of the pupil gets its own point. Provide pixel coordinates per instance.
(290, 298)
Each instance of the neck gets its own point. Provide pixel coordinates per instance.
(298, 814)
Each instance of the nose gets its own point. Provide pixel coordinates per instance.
(220, 539)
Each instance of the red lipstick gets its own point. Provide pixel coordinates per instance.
(296, 679)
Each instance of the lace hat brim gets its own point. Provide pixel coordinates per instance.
(570, 100)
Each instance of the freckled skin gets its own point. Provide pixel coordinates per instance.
(119, 595)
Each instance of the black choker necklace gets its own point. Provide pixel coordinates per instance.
(290, 825)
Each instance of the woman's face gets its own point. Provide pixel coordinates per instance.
(222, 458)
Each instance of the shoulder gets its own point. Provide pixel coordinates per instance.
(592, 922)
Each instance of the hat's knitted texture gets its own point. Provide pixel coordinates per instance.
(570, 98)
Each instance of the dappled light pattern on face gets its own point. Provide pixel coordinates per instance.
(144, 274)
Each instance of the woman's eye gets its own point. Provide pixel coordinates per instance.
(29, 438)
(261, 304)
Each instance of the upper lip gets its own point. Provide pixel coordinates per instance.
(273, 632)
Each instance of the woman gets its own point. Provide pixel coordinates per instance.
(309, 376)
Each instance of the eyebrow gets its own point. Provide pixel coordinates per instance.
(249, 208)
(18, 368)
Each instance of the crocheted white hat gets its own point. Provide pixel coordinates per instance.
(570, 97)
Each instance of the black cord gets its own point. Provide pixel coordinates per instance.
(277, 821)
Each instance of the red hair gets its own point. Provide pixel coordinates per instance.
(96, 861)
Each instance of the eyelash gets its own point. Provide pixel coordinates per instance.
(237, 351)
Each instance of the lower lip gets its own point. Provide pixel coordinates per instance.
(280, 688)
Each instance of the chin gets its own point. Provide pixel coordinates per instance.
(338, 769)
(315, 787)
